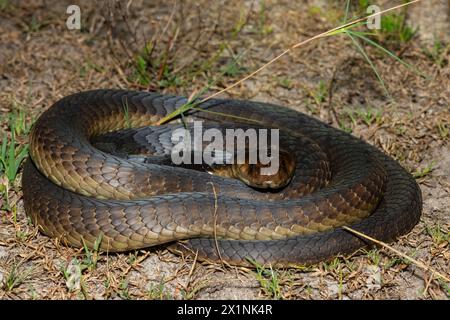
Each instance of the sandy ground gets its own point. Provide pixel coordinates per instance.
(42, 61)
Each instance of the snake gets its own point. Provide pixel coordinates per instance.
(85, 195)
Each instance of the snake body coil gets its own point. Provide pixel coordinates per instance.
(78, 193)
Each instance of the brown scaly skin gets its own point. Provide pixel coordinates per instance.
(76, 192)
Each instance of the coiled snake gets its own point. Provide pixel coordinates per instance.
(77, 192)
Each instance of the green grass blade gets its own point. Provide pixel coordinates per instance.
(344, 29)
(347, 9)
(364, 54)
(11, 158)
(3, 154)
(363, 33)
(18, 161)
(362, 36)
(227, 115)
(185, 107)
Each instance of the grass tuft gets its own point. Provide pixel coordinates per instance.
(268, 280)
(421, 173)
(15, 277)
(91, 256)
(438, 234)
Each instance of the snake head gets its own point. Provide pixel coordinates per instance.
(276, 174)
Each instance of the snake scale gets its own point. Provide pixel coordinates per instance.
(76, 192)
